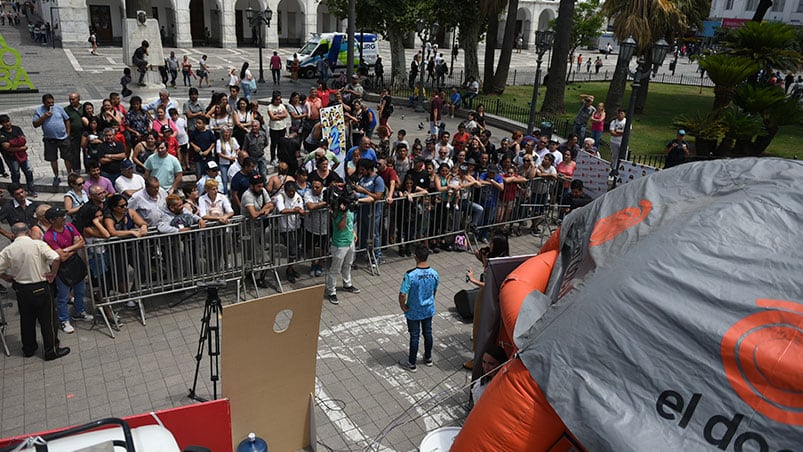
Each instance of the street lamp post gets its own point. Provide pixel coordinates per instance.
(261, 19)
(642, 73)
(426, 33)
(543, 42)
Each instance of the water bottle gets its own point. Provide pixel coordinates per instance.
(252, 444)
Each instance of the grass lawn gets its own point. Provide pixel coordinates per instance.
(653, 129)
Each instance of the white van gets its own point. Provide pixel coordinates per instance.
(333, 47)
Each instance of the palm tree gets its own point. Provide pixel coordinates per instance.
(770, 44)
(727, 72)
(647, 21)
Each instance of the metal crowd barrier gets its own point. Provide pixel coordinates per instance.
(134, 269)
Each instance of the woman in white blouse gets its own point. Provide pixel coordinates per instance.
(226, 148)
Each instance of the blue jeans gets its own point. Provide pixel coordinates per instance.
(366, 215)
(63, 296)
(415, 327)
(597, 136)
(467, 205)
(14, 167)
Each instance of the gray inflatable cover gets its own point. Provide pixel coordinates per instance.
(675, 318)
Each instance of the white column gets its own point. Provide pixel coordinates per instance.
(271, 33)
(310, 8)
(183, 31)
(228, 37)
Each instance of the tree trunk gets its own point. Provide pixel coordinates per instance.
(503, 67)
(761, 10)
(616, 90)
(490, 52)
(398, 63)
(556, 84)
(469, 42)
(569, 67)
(641, 97)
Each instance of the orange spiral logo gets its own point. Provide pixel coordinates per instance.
(763, 359)
(606, 229)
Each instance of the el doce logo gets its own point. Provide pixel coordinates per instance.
(763, 359)
(606, 229)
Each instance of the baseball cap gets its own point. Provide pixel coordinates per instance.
(463, 167)
(55, 212)
(471, 161)
(681, 132)
(257, 179)
(212, 165)
(166, 128)
(126, 164)
(493, 168)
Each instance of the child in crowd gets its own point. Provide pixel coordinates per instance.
(124, 81)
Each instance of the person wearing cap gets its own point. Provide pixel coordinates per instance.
(32, 265)
(129, 182)
(168, 136)
(430, 148)
(65, 239)
(676, 150)
(212, 173)
(165, 168)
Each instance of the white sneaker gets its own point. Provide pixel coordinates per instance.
(83, 316)
(67, 328)
(131, 305)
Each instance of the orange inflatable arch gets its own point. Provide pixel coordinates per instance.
(513, 413)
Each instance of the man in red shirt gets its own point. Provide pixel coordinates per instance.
(276, 68)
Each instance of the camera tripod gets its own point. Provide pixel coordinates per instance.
(210, 331)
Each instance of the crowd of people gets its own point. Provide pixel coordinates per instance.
(165, 166)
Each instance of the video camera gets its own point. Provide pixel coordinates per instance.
(341, 198)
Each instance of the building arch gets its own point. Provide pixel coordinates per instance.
(326, 21)
(290, 21)
(524, 26)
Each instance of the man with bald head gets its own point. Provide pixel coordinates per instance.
(31, 265)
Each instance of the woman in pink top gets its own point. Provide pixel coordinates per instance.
(566, 171)
(598, 124)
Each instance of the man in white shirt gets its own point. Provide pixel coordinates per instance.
(129, 182)
(617, 129)
(443, 157)
(147, 203)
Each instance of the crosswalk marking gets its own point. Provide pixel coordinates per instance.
(73, 60)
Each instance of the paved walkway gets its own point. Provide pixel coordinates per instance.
(360, 390)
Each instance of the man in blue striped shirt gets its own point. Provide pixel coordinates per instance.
(417, 301)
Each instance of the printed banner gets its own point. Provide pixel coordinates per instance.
(594, 171)
(13, 76)
(334, 130)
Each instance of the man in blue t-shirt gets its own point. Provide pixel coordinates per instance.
(370, 188)
(417, 301)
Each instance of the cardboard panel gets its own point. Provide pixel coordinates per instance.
(268, 376)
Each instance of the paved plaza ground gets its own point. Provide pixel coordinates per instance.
(360, 390)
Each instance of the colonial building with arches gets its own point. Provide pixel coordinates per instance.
(224, 23)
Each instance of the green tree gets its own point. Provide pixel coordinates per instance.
(647, 21)
(556, 82)
(391, 18)
(495, 76)
(586, 26)
(727, 72)
(773, 45)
